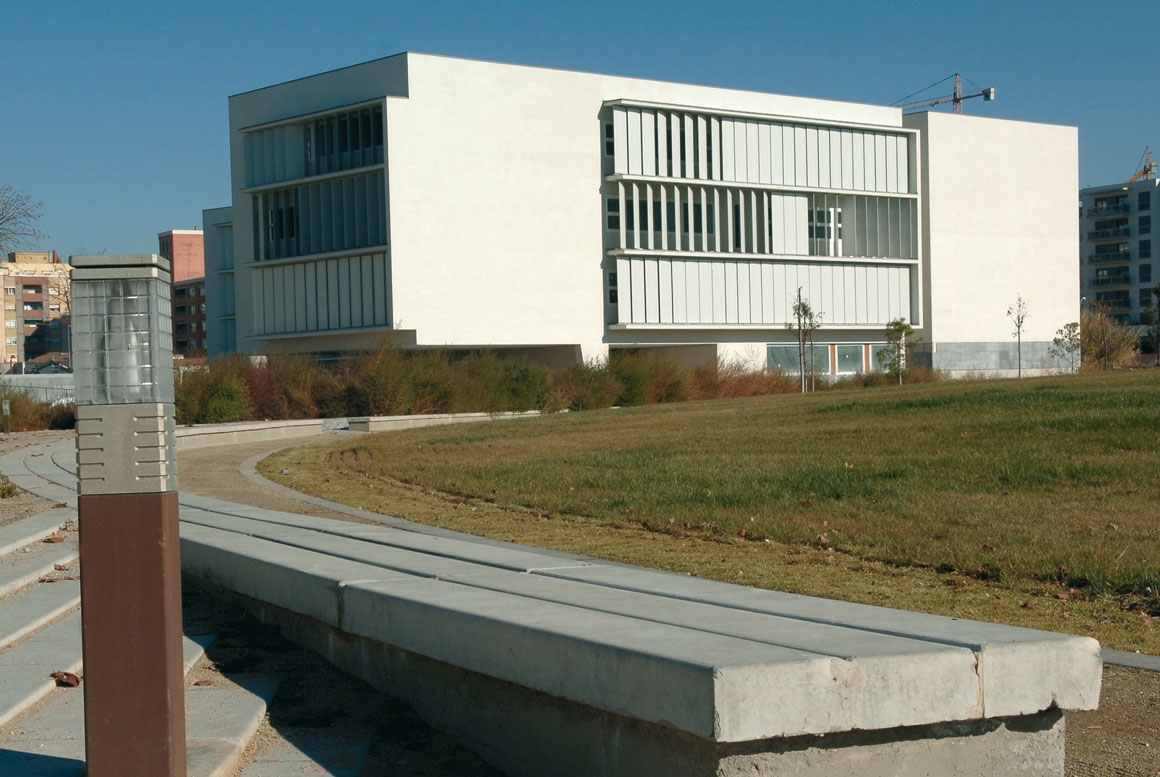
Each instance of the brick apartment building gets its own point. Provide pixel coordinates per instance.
(185, 249)
(36, 306)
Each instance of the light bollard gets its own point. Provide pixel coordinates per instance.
(127, 504)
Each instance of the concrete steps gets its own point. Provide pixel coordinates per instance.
(41, 725)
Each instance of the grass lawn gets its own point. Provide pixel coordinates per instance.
(1033, 502)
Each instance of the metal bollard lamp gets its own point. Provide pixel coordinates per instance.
(127, 503)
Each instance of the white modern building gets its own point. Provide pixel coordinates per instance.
(448, 203)
(1116, 248)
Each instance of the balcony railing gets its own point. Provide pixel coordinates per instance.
(1118, 256)
(1113, 280)
(1105, 234)
(1103, 210)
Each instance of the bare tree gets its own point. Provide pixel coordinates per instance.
(18, 213)
(1018, 314)
(805, 323)
(898, 344)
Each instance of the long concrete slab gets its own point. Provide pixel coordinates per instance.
(851, 668)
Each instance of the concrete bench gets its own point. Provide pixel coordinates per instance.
(393, 423)
(549, 663)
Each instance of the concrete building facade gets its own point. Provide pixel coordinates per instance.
(1116, 265)
(36, 306)
(448, 203)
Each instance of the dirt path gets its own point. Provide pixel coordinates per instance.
(1121, 739)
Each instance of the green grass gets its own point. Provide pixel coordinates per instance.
(1022, 484)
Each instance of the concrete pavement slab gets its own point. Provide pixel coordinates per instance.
(25, 667)
(33, 529)
(35, 561)
(35, 606)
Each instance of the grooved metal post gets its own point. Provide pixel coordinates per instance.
(127, 503)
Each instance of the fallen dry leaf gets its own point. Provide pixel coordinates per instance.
(65, 679)
(54, 538)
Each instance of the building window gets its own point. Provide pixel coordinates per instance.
(1144, 201)
(609, 140)
(10, 341)
(10, 324)
(613, 217)
(10, 290)
(1145, 298)
(1145, 249)
(1145, 225)
(613, 296)
(849, 358)
(783, 359)
(1146, 273)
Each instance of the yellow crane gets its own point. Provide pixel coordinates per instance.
(1148, 171)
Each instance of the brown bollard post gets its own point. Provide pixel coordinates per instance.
(127, 503)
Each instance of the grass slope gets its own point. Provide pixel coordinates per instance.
(1031, 502)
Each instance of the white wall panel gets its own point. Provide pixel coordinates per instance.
(634, 162)
(752, 153)
(662, 143)
(637, 287)
(728, 154)
(680, 292)
(702, 148)
(620, 136)
(623, 290)
(648, 143)
(756, 310)
(801, 176)
(788, 160)
(763, 154)
(715, 145)
(858, 160)
(811, 156)
(705, 291)
(880, 182)
(652, 295)
(717, 283)
(665, 289)
(891, 143)
(824, 158)
(689, 155)
(732, 291)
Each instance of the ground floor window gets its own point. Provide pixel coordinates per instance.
(826, 359)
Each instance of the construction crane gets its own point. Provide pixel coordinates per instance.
(957, 98)
(1148, 171)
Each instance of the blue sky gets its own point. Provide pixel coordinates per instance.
(114, 114)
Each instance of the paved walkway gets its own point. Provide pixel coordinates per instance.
(257, 705)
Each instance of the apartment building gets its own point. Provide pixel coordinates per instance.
(185, 250)
(36, 306)
(449, 203)
(1116, 265)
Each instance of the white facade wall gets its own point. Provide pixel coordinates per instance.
(1001, 221)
